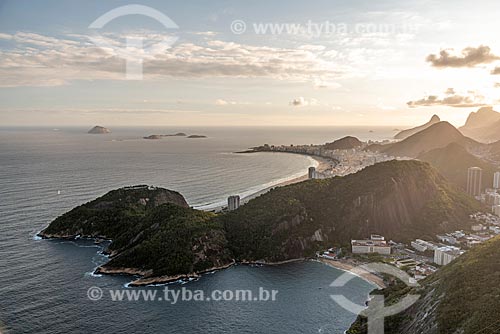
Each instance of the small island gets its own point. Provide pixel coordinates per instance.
(99, 130)
(179, 134)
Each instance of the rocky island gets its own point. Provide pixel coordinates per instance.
(179, 134)
(99, 130)
(155, 234)
(196, 136)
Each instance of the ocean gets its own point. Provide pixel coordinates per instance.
(45, 172)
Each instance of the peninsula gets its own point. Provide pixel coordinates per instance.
(156, 235)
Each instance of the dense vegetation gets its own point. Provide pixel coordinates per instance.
(463, 297)
(154, 229)
(173, 240)
(399, 199)
(453, 161)
(345, 143)
(151, 228)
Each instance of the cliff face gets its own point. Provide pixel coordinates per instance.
(483, 125)
(400, 199)
(462, 297)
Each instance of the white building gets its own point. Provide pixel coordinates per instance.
(422, 246)
(447, 238)
(233, 202)
(478, 227)
(312, 173)
(444, 255)
(371, 246)
(474, 181)
(496, 210)
(496, 180)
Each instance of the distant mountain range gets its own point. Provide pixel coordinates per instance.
(438, 135)
(483, 125)
(410, 132)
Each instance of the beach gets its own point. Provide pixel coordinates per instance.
(353, 267)
(322, 165)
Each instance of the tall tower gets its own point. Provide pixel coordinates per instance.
(312, 173)
(496, 180)
(233, 202)
(474, 181)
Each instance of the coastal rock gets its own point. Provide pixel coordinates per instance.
(196, 136)
(99, 130)
(179, 134)
(346, 143)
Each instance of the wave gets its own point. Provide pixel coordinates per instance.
(251, 192)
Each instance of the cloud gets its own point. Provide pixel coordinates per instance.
(451, 99)
(302, 102)
(469, 57)
(37, 60)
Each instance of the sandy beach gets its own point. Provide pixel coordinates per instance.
(354, 268)
(323, 165)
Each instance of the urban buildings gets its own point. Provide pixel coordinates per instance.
(376, 244)
(312, 173)
(233, 202)
(474, 181)
(444, 255)
(496, 180)
(496, 210)
(422, 246)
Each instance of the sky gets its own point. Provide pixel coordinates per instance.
(246, 63)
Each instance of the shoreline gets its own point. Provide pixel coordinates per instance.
(322, 164)
(354, 269)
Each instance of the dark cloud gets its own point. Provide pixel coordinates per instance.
(450, 99)
(469, 57)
